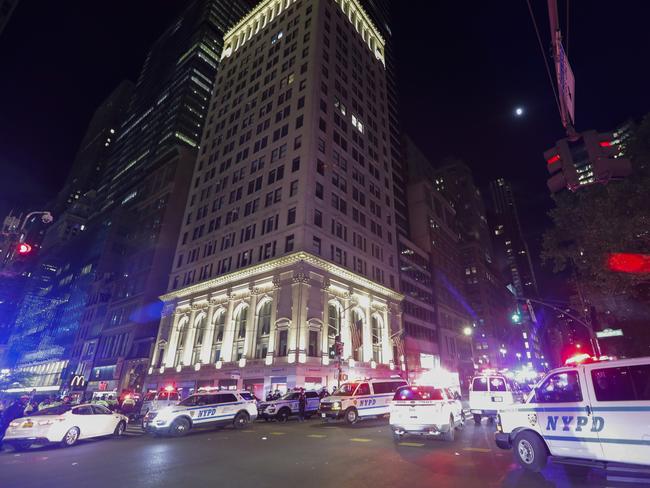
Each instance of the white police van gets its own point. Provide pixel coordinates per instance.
(358, 399)
(287, 406)
(155, 400)
(208, 409)
(595, 413)
(490, 392)
(426, 411)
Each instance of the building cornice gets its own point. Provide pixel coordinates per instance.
(273, 265)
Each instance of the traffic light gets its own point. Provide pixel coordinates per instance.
(23, 248)
(592, 157)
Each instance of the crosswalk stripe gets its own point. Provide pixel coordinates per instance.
(360, 439)
(476, 449)
(411, 444)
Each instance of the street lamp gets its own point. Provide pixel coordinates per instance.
(467, 331)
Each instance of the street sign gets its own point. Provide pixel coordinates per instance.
(567, 84)
(601, 334)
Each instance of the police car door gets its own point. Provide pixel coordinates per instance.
(208, 411)
(313, 401)
(621, 403)
(565, 421)
(228, 406)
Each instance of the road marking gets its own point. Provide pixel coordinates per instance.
(248, 430)
(411, 444)
(317, 436)
(277, 433)
(476, 449)
(360, 439)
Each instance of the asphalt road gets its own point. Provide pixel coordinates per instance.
(293, 454)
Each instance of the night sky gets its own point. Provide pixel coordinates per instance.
(463, 67)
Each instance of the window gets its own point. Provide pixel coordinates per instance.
(319, 191)
(289, 243)
(313, 343)
(291, 216)
(318, 218)
(613, 384)
(560, 388)
(263, 330)
(295, 165)
(480, 384)
(282, 342)
(497, 384)
(316, 245)
(293, 188)
(240, 333)
(364, 389)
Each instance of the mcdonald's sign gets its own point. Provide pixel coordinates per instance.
(77, 382)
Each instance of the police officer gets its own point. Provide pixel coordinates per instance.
(302, 403)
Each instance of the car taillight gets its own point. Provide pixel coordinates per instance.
(14, 424)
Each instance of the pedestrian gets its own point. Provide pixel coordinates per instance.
(323, 393)
(44, 404)
(11, 413)
(302, 403)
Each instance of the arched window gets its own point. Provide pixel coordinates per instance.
(217, 339)
(356, 334)
(198, 337)
(240, 333)
(263, 330)
(375, 327)
(334, 320)
(180, 343)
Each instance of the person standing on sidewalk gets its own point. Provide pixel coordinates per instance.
(302, 403)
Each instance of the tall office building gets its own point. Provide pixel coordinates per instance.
(143, 195)
(513, 259)
(170, 101)
(487, 295)
(289, 233)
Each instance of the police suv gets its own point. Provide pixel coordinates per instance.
(208, 409)
(594, 413)
(426, 411)
(360, 399)
(287, 405)
(490, 392)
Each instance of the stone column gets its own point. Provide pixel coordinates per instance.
(386, 344)
(367, 333)
(208, 335)
(273, 337)
(229, 331)
(170, 352)
(346, 336)
(251, 324)
(324, 338)
(188, 346)
(296, 337)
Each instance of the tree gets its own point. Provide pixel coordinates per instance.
(600, 219)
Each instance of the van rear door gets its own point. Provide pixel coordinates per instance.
(620, 399)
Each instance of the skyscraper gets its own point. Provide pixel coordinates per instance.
(170, 100)
(289, 236)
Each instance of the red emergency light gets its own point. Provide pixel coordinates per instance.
(629, 262)
(605, 143)
(577, 359)
(24, 248)
(553, 159)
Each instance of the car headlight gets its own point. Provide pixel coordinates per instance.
(14, 424)
(336, 406)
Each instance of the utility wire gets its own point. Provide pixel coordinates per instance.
(548, 69)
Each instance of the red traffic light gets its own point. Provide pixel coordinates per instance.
(628, 262)
(24, 248)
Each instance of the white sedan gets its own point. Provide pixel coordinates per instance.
(65, 425)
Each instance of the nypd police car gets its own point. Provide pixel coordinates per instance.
(355, 400)
(287, 406)
(208, 409)
(594, 413)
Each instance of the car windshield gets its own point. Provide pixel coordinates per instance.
(150, 396)
(418, 393)
(289, 396)
(58, 410)
(346, 389)
(247, 396)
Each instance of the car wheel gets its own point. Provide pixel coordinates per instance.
(179, 427)
(21, 446)
(462, 420)
(530, 451)
(71, 437)
(283, 415)
(241, 420)
(120, 428)
(351, 416)
(397, 437)
(450, 435)
(477, 419)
